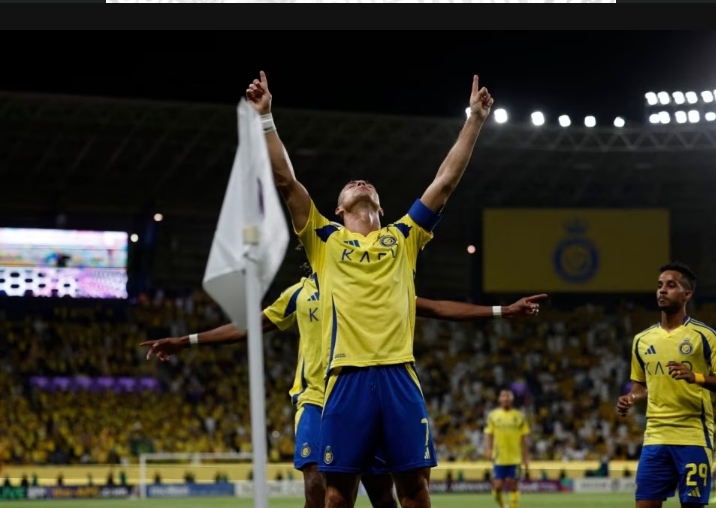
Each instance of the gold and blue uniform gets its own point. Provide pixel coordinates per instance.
(373, 399)
(299, 305)
(678, 441)
(507, 427)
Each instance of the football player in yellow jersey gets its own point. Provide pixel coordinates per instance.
(365, 273)
(298, 305)
(672, 367)
(507, 445)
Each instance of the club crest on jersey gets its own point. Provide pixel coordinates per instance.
(387, 240)
(306, 450)
(328, 456)
(686, 348)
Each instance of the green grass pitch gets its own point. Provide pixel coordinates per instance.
(438, 501)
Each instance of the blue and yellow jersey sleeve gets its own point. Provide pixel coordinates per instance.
(282, 312)
(708, 344)
(637, 365)
(417, 228)
(314, 236)
(490, 427)
(525, 427)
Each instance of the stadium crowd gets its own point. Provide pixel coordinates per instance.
(566, 369)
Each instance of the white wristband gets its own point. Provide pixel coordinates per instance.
(497, 311)
(267, 123)
(194, 339)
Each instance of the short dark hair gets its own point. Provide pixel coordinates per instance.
(686, 272)
(305, 265)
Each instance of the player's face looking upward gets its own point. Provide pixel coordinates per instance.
(358, 194)
(505, 399)
(673, 291)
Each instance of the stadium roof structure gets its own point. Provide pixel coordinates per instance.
(128, 158)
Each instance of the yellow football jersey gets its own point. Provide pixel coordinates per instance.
(677, 413)
(507, 427)
(299, 304)
(367, 287)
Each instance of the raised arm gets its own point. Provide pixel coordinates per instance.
(226, 334)
(458, 311)
(294, 194)
(456, 161)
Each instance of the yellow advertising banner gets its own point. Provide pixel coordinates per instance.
(573, 250)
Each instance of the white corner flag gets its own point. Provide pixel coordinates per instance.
(249, 246)
(251, 200)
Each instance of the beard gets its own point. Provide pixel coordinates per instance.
(669, 307)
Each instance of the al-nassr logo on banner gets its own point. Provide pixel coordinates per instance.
(576, 258)
(573, 250)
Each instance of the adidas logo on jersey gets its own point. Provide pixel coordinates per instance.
(695, 493)
(354, 243)
(650, 351)
(313, 297)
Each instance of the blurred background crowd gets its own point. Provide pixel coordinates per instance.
(565, 367)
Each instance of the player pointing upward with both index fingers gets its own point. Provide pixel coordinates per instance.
(672, 367)
(373, 402)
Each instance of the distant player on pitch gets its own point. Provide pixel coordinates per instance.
(507, 444)
(672, 368)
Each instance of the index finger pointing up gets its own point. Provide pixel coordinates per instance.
(475, 84)
(264, 81)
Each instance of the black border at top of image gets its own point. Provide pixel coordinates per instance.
(271, 17)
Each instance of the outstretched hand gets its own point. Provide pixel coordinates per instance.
(525, 307)
(163, 348)
(480, 100)
(259, 96)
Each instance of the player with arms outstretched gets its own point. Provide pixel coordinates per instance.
(507, 445)
(672, 368)
(365, 272)
(298, 305)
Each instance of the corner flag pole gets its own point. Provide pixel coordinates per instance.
(256, 368)
(248, 249)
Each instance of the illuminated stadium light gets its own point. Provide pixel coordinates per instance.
(694, 116)
(619, 122)
(680, 116)
(651, 99)
(707, 96)
(664, 117)
(467, 112)
(654, 118)
(590, 121)
(134, 238)
(500, 115)
(691, 97)
(564, 121)
(537, 118)
(663, 98)
(679, 97)
(158, 217)
(710, 116)
(471, 249)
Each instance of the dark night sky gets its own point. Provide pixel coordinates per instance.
(415, 73)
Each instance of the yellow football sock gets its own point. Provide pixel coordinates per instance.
(514, 499)
(497, 494)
